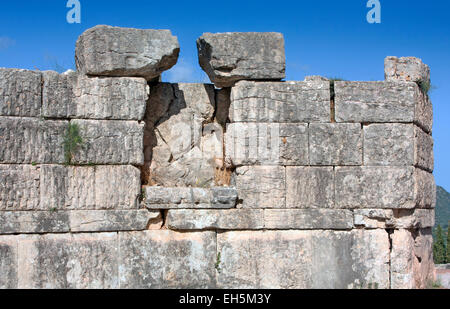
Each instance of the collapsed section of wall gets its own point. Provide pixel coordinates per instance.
(111, 179)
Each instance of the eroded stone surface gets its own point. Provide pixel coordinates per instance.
(20, 93)
(72, 95)
(399, 219)
(167, 259)
(230, 57)
(423, 150)
(352, 259)
(8, 262)
(425, 189)
(410, 69)
(33, 222)
(19, 189)
(287, 102)
(124, 52)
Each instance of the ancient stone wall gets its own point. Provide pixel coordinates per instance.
(110, 178)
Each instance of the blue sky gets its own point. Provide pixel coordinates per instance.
(329, 38)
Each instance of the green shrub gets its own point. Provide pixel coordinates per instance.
(72, 142)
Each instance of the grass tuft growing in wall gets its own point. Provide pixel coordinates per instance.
(425, 86)
(72, 142)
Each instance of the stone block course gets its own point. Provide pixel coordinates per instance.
(398, 219)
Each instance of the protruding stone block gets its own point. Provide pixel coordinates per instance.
(335, 144)
(425, 189)
(8, 262)
(110, 142)
(304, 259)
(20, 93)
(230, 57)
(126, 52)
(397, 218)
(409, 69)
(189, 198)
(231, 219)
(71, 95)
(266, 144)
(166, 259)
(69, 261)
(31, 140)
(308, 219)
(261, 186)
(288, 102)
(309, 187)
(19, 189)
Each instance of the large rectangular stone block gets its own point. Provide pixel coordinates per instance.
(425, 189)
(71, 95)
(267, 144)
(309, 187)
(308, 219)
(409, 69)
(19, 189)
(20, 93)
(31, 140)
(33, 222)
(394, 218)
(69, 261)
(167, 259)
(423, 150)
(110, 142)
(335, 144)
(8, 262)
(189, 198)
(261, 186)
(303, 259)
(231, 219)
(280, 102)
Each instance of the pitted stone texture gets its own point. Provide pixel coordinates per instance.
(266, 144)
(398, 219)
(182, 145)
(261, 186)
(8, 262)
(89, 188)
(409, 69)
(69, 261)
(303, 259)
(19, 189)
(230, 57)
(375, 101)
(110, 142)
(31, 140)
(20, 93)
(231, 219)
(167, 259)
(308, 219)
(306, 102)
(423, 150)
(71, 95)
(412, 265)
(335, 144)
(375, 187)
(33, 222)
(424, 112)
(309, 187)
(126, 52)
(389, 144)
(189, 198)
(425, 189)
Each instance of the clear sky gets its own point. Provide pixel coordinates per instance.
(328, 38)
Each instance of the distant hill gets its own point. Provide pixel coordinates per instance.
(442, 207)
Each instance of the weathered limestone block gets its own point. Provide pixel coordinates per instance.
(412, 265)
(111, 220)
(230, 57)
(384, 187)
(189, 198)
(126, 52)
(399, 219)
(8, 262)
(409, 69)
(72, 95)
(19, 189)
(33, 222)
(232, 219)
(305, 102)
(261, 186)
(69, 261)
(424, 112)
(166, 259)
(182, 144)
(375, 101)
(89, 188)
(20, 93)
(423, 150)
(31, 140)
(309, 187)
(303, 259)
(110, 142)
(335, 144)
(308, 219)
(266, 144)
